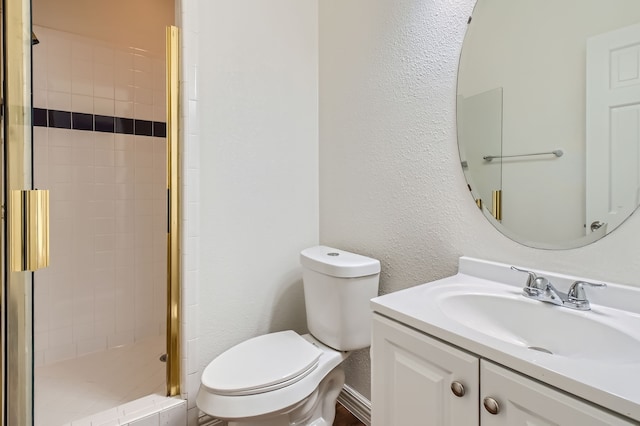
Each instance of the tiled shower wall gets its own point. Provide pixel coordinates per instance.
(99, 147)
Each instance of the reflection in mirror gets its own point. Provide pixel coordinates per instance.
(561, 80)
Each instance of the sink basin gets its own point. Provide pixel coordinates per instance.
(507, 315)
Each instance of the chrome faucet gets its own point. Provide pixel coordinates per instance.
(540, 288)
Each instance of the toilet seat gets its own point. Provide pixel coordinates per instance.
(232, 407)
(261, 364)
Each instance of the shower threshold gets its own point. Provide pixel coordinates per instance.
(97, 383)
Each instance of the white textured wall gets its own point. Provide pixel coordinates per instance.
(391, 185)
(258, 112)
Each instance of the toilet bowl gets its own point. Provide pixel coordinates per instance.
(284, 378)
(279, 389)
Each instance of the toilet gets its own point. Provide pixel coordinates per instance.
(284, 378)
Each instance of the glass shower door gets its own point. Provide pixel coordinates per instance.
(25, 222)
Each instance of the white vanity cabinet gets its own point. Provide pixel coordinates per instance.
(523, 402)
(420, 380)
(412, 375)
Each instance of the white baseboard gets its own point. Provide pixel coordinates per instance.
(357, 404)
(351, 399)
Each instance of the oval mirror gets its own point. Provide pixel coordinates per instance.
(548, 115)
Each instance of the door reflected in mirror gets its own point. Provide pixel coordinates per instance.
(549, 115)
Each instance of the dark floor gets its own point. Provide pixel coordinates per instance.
(345, 418)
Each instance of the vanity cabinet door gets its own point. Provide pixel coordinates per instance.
(524, 402)
(412, 377)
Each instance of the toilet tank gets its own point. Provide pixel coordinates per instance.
(337, 288)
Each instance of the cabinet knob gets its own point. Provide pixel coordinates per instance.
(491, 405)
(458, 389)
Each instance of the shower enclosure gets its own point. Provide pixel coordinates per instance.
(93, 133)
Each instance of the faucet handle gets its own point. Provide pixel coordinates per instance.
(576, 292)
(535, 285)
(532, 276)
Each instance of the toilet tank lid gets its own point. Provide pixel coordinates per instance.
(338, 263)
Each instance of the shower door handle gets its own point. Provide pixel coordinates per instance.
(29, 229)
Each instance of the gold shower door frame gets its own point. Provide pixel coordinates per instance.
(173, 201)
(17, 290)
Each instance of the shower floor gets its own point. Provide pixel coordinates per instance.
(72, 389)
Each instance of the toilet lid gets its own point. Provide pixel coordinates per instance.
(261, 364)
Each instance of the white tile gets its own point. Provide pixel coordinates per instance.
(193, 416)
(104, 174)
(104, 106)
(82, 103)
(38, 358)
(59, 353)
(82, 77)
(92, 346)
(124, 208)
(105, 141)
(81, 50)
(152, 420)
(159, 112)
(104, 157)
(84, 174)
(193, 385)
(41, 342)
(120, 339)
(142, 111)
(124, 143)
(192, 356)
(194, 118)
(59, 100)
(143, 63)
(39, 68)
(124, 108)
(83, 331)
(104, 81)
(58, 77)
(175, 416)
(124, 175)
(123, 92)
(104, 259)
(60, 210)
(60, 155)
(143, 95)
(106, 328)
(103, 208)
(124, 191)
(83, 158)
(40, 98)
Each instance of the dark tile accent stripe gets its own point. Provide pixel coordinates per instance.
(99, 123)
(60, 119)
(82, 121)
(40, 117)
(105, 123)
(159, 129)
(124, 125)
(143, 127)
